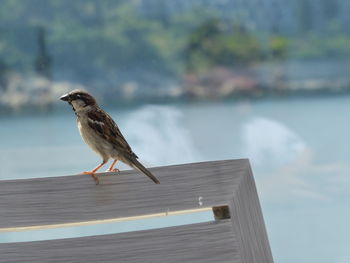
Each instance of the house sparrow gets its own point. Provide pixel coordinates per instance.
(102, 134)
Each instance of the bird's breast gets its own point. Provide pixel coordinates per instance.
(93, 139)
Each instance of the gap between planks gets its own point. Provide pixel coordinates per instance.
(110, 220)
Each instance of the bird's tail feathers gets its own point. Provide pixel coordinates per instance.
(136, 164)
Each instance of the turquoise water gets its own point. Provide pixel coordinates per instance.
(299, 151)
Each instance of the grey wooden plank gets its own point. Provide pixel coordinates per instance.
(76, 198)
(199, 243)
(248, 222)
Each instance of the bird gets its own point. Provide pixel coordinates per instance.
(102, 134)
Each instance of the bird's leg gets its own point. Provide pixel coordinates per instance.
(110, 169)
(93, 171)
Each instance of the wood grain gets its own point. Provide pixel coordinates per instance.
(199, 243)
(76, 198)
(248, 222)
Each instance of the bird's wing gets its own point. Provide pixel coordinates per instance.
(101, 122)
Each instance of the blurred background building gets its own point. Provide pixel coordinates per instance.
(274, 16)
(153, 50)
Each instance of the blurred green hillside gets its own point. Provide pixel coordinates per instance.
(87, 38)
(123, 52)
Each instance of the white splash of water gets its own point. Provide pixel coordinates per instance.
(270, 143)
(158, 136)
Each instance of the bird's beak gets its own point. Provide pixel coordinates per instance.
(65, 97)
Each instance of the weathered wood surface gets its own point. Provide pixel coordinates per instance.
(76, 198)
(201, 243)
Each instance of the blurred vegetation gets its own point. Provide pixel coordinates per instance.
(316, 46)
(86, 38)
(213, 43)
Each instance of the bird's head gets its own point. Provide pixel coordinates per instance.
(79, 100)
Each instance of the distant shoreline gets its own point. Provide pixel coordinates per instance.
(266, 96)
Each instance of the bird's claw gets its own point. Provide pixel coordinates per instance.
(93, 176)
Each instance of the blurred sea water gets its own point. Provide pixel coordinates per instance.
(299, 151)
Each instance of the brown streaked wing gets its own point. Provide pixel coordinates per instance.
(100, 121)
